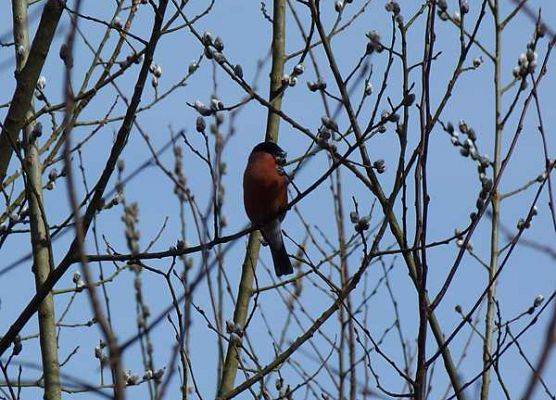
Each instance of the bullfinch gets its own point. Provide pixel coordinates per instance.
(265, 197)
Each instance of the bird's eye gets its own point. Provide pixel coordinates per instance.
(281, 158)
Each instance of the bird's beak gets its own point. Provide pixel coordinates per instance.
(281, 158)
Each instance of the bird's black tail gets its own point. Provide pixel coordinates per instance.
(282, 264)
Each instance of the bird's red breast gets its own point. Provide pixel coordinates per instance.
(265, 193)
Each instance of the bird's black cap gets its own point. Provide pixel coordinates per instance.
(270, 148)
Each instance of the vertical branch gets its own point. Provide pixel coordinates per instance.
(40, 239)
(184, 320)
(80, 229)
(278, 60)
(421, 206)
(229, 370)
(27, 80)
(495, 202)
(345, 318)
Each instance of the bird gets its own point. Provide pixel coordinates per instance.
(265, 197)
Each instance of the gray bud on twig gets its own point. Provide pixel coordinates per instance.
(238, 71)
(380, 166)
(202, 109)
(219, 44)
(207, 38)
(368, 89)
(329, 123)
(200, 124)
(339, 5)
(193, 67)
(41, 83)
(299, 69)
(65, 56)
(538, 300)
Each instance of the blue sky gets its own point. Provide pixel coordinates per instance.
(453, 181)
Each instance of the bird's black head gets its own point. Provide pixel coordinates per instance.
(272, 149)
